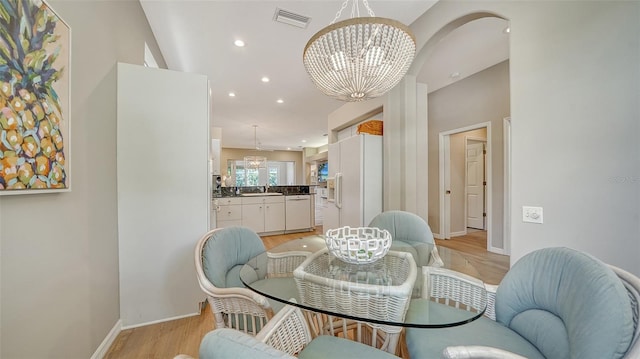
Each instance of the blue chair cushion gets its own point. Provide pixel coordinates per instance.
(227, 343)
(226, 249)
(404, 226)
(402, 246)
(326, 346)
(286, 286)
(429, 343)
(554, 291)
(407, 231)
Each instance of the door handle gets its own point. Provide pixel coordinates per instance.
(447, 192)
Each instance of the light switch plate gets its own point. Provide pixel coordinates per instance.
(532, 214)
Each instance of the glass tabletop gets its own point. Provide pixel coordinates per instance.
(391, 291)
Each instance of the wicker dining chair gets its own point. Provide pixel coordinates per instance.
(219, 256)
(553, 303)
(286, 335)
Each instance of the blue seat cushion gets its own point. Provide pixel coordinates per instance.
(227, 343)
(285, 286)
(326, 346)
(429, 343)
(568, 304)
(402, 246)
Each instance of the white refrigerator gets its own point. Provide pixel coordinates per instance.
(354, 185)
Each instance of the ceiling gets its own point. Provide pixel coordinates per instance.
(198, 37)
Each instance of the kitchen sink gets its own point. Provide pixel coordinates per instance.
(260, 194)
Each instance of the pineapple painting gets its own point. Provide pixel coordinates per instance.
(33, 91)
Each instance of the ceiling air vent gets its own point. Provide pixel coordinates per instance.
(290, 18)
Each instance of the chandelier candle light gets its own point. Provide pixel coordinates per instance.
(359, 58)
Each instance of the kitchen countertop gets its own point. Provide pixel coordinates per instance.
(257, 191)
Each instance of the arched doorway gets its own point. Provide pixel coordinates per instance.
(467, 98)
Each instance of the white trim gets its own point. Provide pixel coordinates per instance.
(458, 234)
(506, 221)
(437, 236)
(103, 348)
(445, 184)
(160, 321)
(495, 250)
(443, 167)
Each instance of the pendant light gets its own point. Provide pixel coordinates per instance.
(359, 58)
(255, 162)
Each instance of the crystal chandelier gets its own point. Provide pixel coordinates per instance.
(359, 58)
(255, 162)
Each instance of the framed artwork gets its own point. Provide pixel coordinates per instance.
(35, 49)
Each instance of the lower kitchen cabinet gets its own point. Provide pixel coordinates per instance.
(264, 214)
(230, 212)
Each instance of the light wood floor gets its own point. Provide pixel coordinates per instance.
(183, 336)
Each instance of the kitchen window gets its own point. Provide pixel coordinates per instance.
(278, 173)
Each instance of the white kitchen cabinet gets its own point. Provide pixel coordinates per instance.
(230, 212)
(215, 157)
(264, 214)
(298, 209)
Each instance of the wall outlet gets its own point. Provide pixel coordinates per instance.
(532, 214)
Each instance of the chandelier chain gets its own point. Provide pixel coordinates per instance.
(366, 4)
(344, 6)
(355, 10)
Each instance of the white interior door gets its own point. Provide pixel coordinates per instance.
(475, 184)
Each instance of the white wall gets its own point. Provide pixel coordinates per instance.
(482, 97)
(575, 83)
(59, 259)
(164, 191)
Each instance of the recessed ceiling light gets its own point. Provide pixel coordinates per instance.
(232, 94)
(304, 141)
(454, 75)
(280, 100)
(265, 79)
(289, 149)
(507, 30)
(239, 43)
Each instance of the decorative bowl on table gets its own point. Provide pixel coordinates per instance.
(359, 245)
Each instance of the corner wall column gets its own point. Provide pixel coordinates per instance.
(405, 148)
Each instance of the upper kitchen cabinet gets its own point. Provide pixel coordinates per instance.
(215, 156)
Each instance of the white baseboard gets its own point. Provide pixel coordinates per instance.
(108, 340)
(496, 250)
(160, 321)
(437, 236)
(458, 234)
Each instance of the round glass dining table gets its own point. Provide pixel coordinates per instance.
(392, 291)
